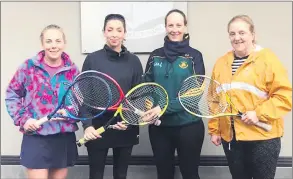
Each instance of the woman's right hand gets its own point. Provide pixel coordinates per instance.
(120, 126)
(216, 140)
(31, 125)
(91, 133)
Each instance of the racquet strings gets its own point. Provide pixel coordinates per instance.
(116, 91)
(203, 96)
(88, 97)
(144, 98)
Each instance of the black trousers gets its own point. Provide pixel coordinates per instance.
(97, 160)
(186, 139)
(253, 159)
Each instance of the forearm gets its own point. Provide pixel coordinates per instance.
(274, 108)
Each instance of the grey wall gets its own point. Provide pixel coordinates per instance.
(22, 22)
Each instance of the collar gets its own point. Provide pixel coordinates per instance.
(113, 53)
(39, 58)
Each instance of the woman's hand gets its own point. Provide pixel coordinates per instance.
(60, 112)
(250, 117)
(91, 133)
(31, 125)
(216, 140)
(151, 114)
(119, 126)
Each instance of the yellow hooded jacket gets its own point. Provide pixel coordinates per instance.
(261, 84)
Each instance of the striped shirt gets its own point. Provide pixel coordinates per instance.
(237, 63)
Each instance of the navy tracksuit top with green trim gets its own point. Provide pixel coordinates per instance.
(171, 74)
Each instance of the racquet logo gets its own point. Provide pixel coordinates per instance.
(193, 92)
(148, 104)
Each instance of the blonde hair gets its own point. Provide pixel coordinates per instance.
(52, 26)
(246, 19)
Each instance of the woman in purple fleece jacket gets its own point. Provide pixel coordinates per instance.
(34, 92)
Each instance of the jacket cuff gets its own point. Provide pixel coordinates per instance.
(259, 114)
(86, 123)
(214, 132)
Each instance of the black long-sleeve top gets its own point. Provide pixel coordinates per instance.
(126, 69)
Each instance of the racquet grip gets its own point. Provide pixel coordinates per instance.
(42, 120)
(262, 125)
(82, 141)
(265, 126)
(101, 130)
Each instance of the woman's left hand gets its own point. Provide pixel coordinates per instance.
(250, 117)
(120, 126)
(151, 114)
(61, 112)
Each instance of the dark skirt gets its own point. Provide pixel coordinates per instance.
(52, 151)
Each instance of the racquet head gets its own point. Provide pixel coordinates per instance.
(85, 98)
(140, 99)
(204, 97)
(82, 100)
(116, 90)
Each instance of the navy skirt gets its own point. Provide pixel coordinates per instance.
(52, 151)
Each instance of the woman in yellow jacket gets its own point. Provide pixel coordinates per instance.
(259, 87)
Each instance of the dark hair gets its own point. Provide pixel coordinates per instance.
(115, 17)
(178, 11)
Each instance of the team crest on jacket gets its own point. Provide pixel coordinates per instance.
(183, 64)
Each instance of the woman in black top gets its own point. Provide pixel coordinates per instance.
(126, 69)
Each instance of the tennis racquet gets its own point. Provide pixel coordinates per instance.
(115, 89)
(88, 92)
(203, 96)
(138, 100)
(117, 94)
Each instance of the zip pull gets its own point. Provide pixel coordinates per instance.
(229, 146)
